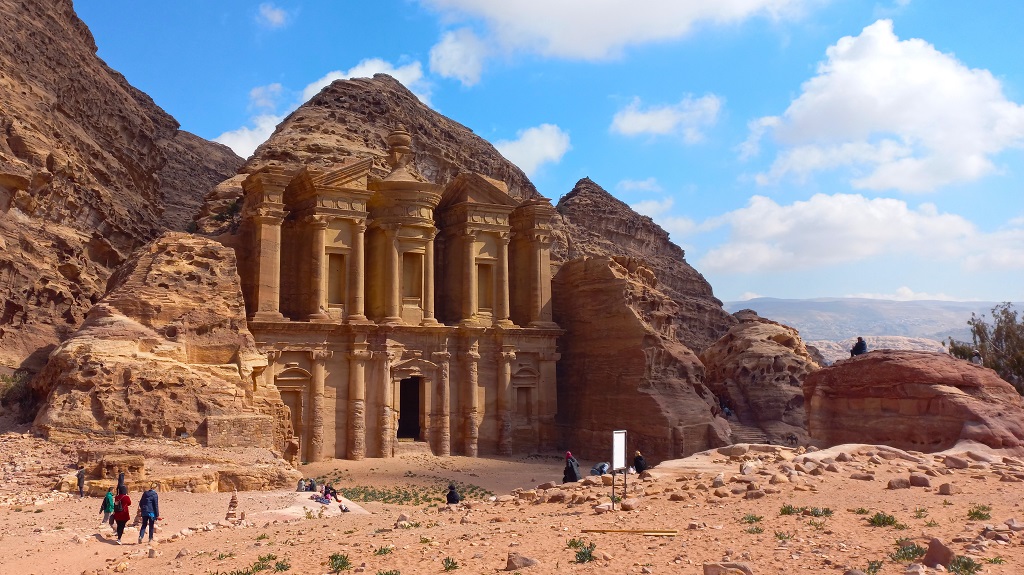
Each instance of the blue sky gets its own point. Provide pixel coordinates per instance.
(794, 148)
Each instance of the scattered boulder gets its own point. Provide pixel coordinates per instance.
(938, 554)
(516, 561)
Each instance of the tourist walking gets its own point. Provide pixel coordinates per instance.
(122, 503)
(571, 473)
(149, 510)
(107, 507)
(81, 481)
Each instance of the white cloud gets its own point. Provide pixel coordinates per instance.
(659, 211)
(827, 230)
(687, 118)
(266, 97)
(904, 293)
(410, 75)
(749, 295)
(460, 55)
(752, 146)
(899, 114)
(245, 140)
(602, 28)
(535, 146)
(653, 208)
(271, 16)
(649, 185)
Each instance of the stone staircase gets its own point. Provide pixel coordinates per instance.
(742, 433)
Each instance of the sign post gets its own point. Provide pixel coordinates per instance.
(619, 461)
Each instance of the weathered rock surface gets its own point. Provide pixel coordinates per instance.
(912, 400)
(757, 370)
(833, 351)
(90, 168)
(165, 352)
(623, 365)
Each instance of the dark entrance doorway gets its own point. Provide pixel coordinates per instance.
(409, 408)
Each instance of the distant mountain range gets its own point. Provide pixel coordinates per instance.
(838, 319)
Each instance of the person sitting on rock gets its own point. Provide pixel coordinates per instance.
(330, 492)
(976, 358)
(600, 468)
(571, 473)
(861, 347)
(452, 497)
(639, 463)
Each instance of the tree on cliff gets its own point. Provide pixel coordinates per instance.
(1001, 343)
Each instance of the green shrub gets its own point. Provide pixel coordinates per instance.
(963, 565)
(449, 564)
(819, 512)
(873, 567)
(751, 518)
(586, 554)
(755, 529)
(788, 509)
(384, 550)
(339, 562)
(907, 553)
(783, 536)
(980, 512)
(882, 520)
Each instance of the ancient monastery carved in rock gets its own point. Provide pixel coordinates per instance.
(392, 309)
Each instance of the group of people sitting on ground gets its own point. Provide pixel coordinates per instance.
(115, 509)
(571, 473)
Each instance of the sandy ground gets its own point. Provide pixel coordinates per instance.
(64, 536)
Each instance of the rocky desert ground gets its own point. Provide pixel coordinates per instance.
(765, 508)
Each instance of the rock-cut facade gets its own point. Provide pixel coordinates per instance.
(395, 311)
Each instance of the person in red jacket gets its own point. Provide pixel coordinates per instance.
(122, 503)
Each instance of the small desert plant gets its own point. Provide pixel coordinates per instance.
(262, 536)
(755, 529)
(575, 543)
(947, 502)
(882, 520)
(339, 562)
(783, 536)
(932, 523)
(383, 550)
(873, 567)
(449, 564)
(907, 552)
(963, 565)
(819, 512)
(282, 565)
(819, 525)
(788, 509)
(860, 511)
(997, 560)
(920, 513)
(586, 554)
(223, 556)
(980, 512)
(751, 518)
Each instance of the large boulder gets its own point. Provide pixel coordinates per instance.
(166, 352)
(757, 369)
(917, 400)
(623, 365)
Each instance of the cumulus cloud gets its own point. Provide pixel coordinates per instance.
(827, 230)
(686, 118)
(904, 293)
(246, 139)
(266, 97)
(410, 75)
(600, 29)
(536, 146)
(898, 113)
(460, 55)
(649, 185)
(660, 211)
(271, 16)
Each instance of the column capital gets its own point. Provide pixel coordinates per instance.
(360, 355)
(268, 216)
(505, 237)
(439, 356)
(318, 220)
(320, 354)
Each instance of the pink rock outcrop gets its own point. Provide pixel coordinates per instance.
(917, 400)
(623, 365)
(757, 370)
(166, 352)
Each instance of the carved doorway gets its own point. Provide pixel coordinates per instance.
(409, 408)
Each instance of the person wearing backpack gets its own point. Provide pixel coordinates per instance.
(122, 503)
(107, 507)
(149, 509)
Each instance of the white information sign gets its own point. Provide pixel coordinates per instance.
(618, 450)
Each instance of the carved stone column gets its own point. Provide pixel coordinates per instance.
(317, 293)
(316, 438)
(505, 358)
(387, 415)
(540, 289)
(471, 436)
(357, 403)
(469, 278)
(501, 304)
(442, 413)
(357, 274)
(428, 281)
(268, 264)
(393, 275)
(547, 404)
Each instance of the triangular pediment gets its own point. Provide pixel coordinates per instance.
(414, 366)
(476, 188)
(351, 174)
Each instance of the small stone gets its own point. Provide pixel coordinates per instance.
(949, 489)
(899, 483)
(920, 480)
(938, 554)
(516, 561)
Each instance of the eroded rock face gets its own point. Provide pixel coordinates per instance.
(912, 400)
(623, 365)
(90, 168)
(757, 369)
(165, 352)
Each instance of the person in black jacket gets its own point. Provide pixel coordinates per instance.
(859, 348)
(639, 463)
(452, 497)
(571, 473)
(149, 510)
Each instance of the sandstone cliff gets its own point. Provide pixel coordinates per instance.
(90, 168)
(912, 400)
(757, 370)
(623, 365)
(165, 352)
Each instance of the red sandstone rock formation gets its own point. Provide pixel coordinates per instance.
(165, 352)
(757, 370)
(623, 366)
(90, 168)
(912, 400)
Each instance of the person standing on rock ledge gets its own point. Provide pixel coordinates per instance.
(149, 509)
(861, 347)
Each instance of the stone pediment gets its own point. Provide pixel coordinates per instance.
(414, 366)
(310, 182)
(473, 188)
